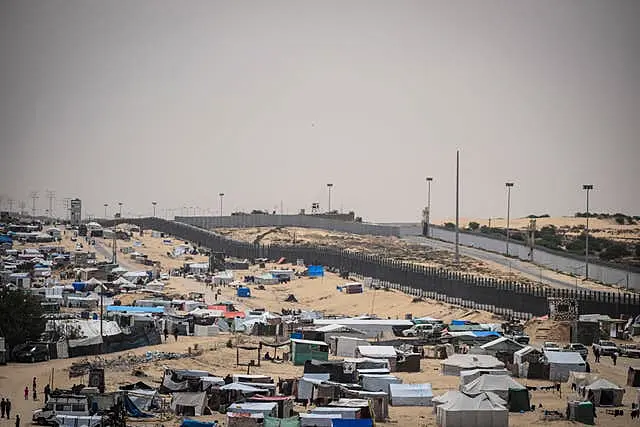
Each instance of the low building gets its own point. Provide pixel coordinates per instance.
(303, 350)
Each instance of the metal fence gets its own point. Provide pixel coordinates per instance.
(495, 295)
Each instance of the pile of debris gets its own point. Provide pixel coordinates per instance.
(124, 363)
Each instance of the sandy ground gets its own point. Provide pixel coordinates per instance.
(318, 294)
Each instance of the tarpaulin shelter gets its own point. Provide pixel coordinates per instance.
(265, 409)
(281, 422)
(468, 376)
(189, 403)
(465, 411)
(315, 271)
(456, 363)
(303, 350)
(379, 382)
(498, 384)
(603, 392)
(365, 422)
(132, 409)
(582, 379)
(195, 423)
(411, 394)
(563, 362)
(244, 292)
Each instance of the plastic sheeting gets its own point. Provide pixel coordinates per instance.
(281, 422)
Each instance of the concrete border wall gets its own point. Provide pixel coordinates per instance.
(305, 221)
(497, 295)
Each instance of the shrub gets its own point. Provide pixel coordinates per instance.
(615, 251)
(450, 226)
(474, 225)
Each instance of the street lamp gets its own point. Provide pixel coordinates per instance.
(154, 208)
(509, 185)
(221, 196)
(105, 210)
(429, 179)
(329, 187)
(120, 205)
(587, 187)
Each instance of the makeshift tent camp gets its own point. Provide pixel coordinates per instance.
(365, 422)
(502, 345)
(456, 363)
(281, 422)
(383, 352)
(603, 392)
(266, 409)
(187, 403)
(468, 376)
(411, 394)
(528, 362)
(581, 412)
(318, 420)
(346, 346)
(563, 362)
(498, 384)
(464, 411)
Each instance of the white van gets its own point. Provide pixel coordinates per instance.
(71, 405)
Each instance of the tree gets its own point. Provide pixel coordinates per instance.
(473, 226)
(450, 226)
(20, 317)
(615, 251)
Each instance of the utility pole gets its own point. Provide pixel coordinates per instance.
(34, 197)
(587, 187)
(154, 208)
(457, 207)
(221, 196)
(51, 195)
(329, 187)
(11, 201)
(106, 205)
(509, 185)
(429, 179)
(120, 205)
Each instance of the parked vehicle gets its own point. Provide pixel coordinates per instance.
(421, 330)
(607, 348)
(551, 346)
(521, 339)
(31, 353)
(578, 348)
(630, 350)
(69, 405)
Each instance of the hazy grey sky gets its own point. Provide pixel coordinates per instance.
(176, 101)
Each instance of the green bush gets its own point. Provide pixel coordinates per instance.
(450, 226)
(615, 251)
(474, 225)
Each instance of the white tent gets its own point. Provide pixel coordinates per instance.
(468, 376)
(465, 411)
(411, 394)
(119, 270)
(189, 402)
(563, 362)
(498, 384)
(94, 281)
(456, 363)
(121, 281)
(581, 379)
(603, 392)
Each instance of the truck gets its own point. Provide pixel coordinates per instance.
(61, 405)
(422, 330)
(606, 348)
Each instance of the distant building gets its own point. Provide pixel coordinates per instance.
(76, 211)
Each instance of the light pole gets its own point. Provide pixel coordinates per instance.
(587, 187)
(120, 205)
(329, 187)
(429, 179)
(154, 208)
(105, 210)
(509, 185)
(221, 197)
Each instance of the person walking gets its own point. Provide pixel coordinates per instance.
(47, 392)
(3, 407)
(8, 408)
(166, 334)
(175, 333)
(614, 358)
(26, 393)
(596, 353)
(17, 420)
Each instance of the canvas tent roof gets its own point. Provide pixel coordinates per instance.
(339, 328)
(502, 342)
(411, 394)
(467, 377)
(603, 384)
(499, 384)
(459, 362)
(564, 357)
(188, 399)
(377, 351)
(94, 281)
(244, 388)
(465, 411)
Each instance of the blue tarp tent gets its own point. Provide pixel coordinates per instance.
(315, 271)
(78, 286)
(485, 333)
(244, 292)
(194, 423)
(363, 422)
(132, 409)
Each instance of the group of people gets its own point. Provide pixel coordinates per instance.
(5, 409)
(596, 355)
(166, 334)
